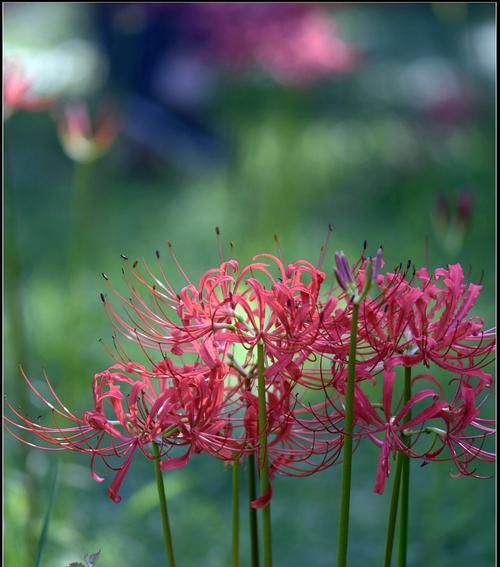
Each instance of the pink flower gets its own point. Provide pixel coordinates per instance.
(428, 323)
(17, 91)
(295, 43)
(229, 305)
(81, 140)
(187, 406)
(465, 432)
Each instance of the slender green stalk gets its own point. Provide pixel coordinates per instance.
(405, 483)
(393, 512)
(263, 464)
(252, 512)
(348, 427)
(236, 514)
(252, 494)
(167, 534)
(45, 529)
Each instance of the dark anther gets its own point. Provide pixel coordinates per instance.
(104, 276)
(103, 299)
(365, 245)
(157, 254)
(134, 265)
(424, 463)
(169, 244)
(330, 227)
(124, 257)
(408, 264)
(217, 231)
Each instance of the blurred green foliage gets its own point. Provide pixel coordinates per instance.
(300, 158)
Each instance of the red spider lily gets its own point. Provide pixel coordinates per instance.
(464, 432)
(229, 306)
(298, 443)
(186, 406)
(81, 140)
(429, 323)
(373, 420)
(17, 91)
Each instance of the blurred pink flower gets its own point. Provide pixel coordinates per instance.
(82, 140)
(295, 43)
(17, 91)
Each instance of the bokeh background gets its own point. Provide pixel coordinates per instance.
(260, 119)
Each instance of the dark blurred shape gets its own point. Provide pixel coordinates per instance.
(465, 207)
(442, 213)
(168, 135)
(141, 40)
(452, 223)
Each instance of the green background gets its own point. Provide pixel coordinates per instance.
(355, 150)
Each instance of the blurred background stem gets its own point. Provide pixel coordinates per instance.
(45, 528)
(18, 346)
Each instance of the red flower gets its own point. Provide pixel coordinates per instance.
(464, 433)
(230, 305)
(17, 92)
(186, 406)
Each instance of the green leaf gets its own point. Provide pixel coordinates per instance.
(45, 528)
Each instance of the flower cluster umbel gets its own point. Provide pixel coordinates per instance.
(196, 387)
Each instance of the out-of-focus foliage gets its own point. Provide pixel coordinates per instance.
(203, 143)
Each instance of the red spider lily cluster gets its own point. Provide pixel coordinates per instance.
(196, 390)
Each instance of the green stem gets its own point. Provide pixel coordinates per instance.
(236, 514)
(393, 511)
(405, 482)
(252, 491)
(252, 495)
(263, 464)
(348, 427)
(167, 534)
